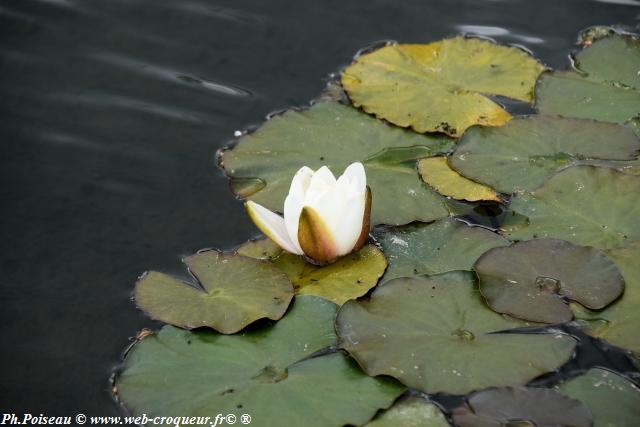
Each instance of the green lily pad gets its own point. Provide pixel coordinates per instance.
(435, 334)
(263, 163)
(411, 412)
(266, 373)
(523, 153)
(231, 292)
(441, 86)
(531, 279)
(620, 322)
(349, 277)
(605, 85)
(521, 407)
(436, 172)
(613, 400)
(260, 249)
(439, 247)
(585, 205)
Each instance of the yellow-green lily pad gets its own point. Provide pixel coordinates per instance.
(411, 412)
(435, 334)
(521, 407)
(523, 153)
(586, 205)
(349, 277)
(441, 86)
(436, 172)
(267, 373)
(439, 247)
(262, 164)
(532, 279)
(613, 400)
(619, 323)
(229, 292)
(605, 84)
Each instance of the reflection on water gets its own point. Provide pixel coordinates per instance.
(621, 2)
(110, 116)
(157, 71)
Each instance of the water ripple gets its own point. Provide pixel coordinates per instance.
(232, 15)
(621, 2)
(490, 31)
(98, 99)
(168, 74)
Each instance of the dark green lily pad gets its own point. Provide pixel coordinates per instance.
(411, 412)
(263, 163)
(604, 86)
(265, 373)
(349, 277)
(521, 154)
(231, 292)
(434, 334)
(521, 407)
(439, 247)
(531, 279)
(586, 205)
(613, 400)
(620, 322)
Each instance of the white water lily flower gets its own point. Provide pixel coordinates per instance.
(324, 218)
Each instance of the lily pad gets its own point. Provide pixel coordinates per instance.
(411, 412)
(523, 407)
(604, 86)
(231, 292)
(349, 277)
(523, 153)
(441, 86)
(260, 248)
(266, 373)
(613, 400)
(585, 205)
(263, 163)
(435, 334)
(620, 322)
(531, 279)
(436, 172)
(439, 247)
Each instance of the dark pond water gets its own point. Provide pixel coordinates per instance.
(110, 116)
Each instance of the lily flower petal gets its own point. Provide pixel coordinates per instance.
(355, 174)
(316, 239)
(322, 181)
(294, 202)
(366, 221)
(352, 188)
(272, 225)
(301, 181)
(353, 228)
